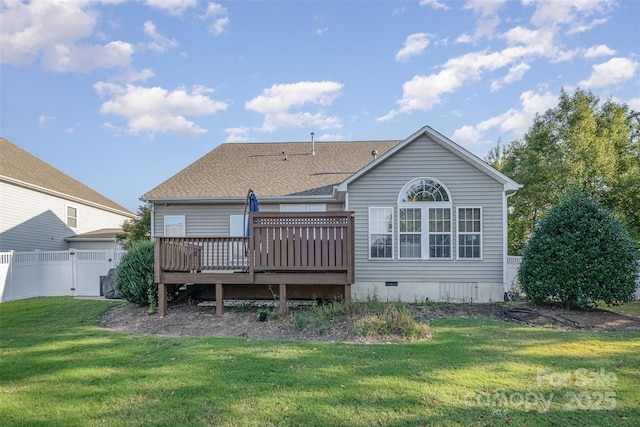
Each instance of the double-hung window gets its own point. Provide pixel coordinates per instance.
(72, 216)
(381, 233)
(469, 233)
(175, 226)
(424, 220)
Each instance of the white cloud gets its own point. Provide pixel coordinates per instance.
(132, 76)
(424, 92)
(239, 134)
(523, 47)
(633, 103)
(485, 7)
(218, 14)
(515, 74)
(320, 31)
(488, 19)
(467, 135)
(51, 31)
(330, 137)
(514, 121)
(576, 15)
(464, 38)
(414, 45)
(44, 119)
(160, 43)
(154, 110)
(612, 72)
(434, 4)
(174, 7)
(583, 27)
(277, 102)
(600, 50)
(84, 58)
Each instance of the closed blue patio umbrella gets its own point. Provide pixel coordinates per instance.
(250, 205)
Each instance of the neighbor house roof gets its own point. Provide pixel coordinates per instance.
(270, 169)
(18, 167)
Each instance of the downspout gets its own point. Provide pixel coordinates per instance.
(151, 208)
(505, 239)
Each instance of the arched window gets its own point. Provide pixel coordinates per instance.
(424, 220)
(424, 190)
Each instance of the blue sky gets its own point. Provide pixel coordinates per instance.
(121, 95)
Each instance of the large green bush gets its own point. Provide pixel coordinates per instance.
(580, 254)
(134, 276)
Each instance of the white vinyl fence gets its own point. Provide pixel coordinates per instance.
(513, 263)
(54, 273)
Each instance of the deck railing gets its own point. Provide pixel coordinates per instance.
(281, 242)
(195, 254)
(302, 241)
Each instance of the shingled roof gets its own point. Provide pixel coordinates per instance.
(270, 169)
(21, 168)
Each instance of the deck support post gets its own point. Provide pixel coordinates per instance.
(162, 299)
(347, 294)
(283, 298)
(219, 300)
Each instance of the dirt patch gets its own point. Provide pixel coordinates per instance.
(194, 320)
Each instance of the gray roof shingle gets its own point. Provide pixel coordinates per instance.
(18, 165)
(270, 169)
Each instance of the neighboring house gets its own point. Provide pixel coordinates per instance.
(429, 218)
(42, 208)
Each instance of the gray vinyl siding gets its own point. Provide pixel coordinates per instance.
(468, 187)
(30, 220)
(204, 220)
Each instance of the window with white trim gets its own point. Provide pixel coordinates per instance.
(469, 233)
(424, 220)
(381, 233)
(72, 216)
(317, 207)
(237, 225)
(175, 226)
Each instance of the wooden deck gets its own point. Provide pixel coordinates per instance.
(282, 249)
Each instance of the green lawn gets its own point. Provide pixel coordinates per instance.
(630, 308)
(60, 369)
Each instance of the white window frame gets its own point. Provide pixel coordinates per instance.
(424, 208)
(465, 233)
(390, 211)
(66, 215)
(426, 232)
(173, 221)
(301, 207)
(237, 225)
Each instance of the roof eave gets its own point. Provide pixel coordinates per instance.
(238, 199)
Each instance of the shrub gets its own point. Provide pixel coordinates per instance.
(395, 320)
(134, 276)
(579, 254)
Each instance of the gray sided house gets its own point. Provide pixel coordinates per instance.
(41, 208)
(426, 220)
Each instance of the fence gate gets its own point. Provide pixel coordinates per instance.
(54, 273)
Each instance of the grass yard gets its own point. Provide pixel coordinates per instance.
(630, 308)
(60, 369)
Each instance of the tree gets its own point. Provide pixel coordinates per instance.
(136, 230)
(579, 253)
(577, 144)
